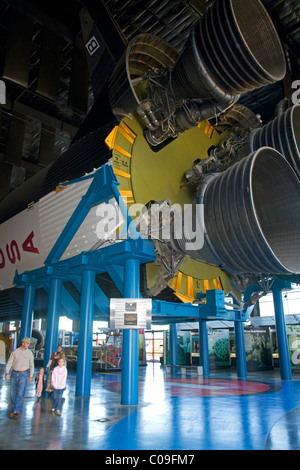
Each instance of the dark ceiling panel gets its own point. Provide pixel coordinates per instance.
(15, 139)
(5, 174)
(50, 65)
(47, 141)
(79, 81)
(18, 49)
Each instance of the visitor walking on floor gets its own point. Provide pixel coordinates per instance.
(59, 380)
(53, 361)
(20, 361)
(40, 382)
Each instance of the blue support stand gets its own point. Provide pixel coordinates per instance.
(173, 345)
(130, 349)
(122, 262)
(239, 334)
(282, 342)
(27, 313)
(241, 365)
(52, 318)
(85, 344)
(203, 347)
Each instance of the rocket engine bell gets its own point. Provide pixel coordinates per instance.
(226, 54)
(283, 134)
(251, 220)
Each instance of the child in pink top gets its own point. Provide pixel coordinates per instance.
(59, 380)
(40, 381)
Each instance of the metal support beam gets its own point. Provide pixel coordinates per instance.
(173, 345)
(52, 318)
(130, 349)
(27, 313)
(241, 365)
(203, 347)
(85, 344)
(282, 341)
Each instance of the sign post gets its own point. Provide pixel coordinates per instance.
(130, 315)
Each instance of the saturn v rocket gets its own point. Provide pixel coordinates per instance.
(174, 133)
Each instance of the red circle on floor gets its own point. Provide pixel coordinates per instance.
(197, 387)
(214, 387)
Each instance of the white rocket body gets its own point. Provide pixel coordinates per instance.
(27, 238)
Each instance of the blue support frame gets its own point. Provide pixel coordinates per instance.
(85, 344)
(52, 319)
(282, 341)
(203, 346)
(241, 365)
(130, 348)
(239, 335)
(213, 309)
(122, 262)
(173, 345)
(102, 188)
(27, 312)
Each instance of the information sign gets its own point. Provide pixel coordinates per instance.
(130, 314)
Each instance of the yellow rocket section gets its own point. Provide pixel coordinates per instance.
(145, 175)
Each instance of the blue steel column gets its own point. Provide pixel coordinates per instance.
(173, 345)
(282, 341)
(52, 319)
(130, 349)
(85, 343)
(241, 365)
(203, 347)
(27, 313)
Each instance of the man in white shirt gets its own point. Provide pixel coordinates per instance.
(20, 361)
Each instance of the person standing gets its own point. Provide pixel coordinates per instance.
(58, 354)
(20, 361)
(59, 380)
(40, 382)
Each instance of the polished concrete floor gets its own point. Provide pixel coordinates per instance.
(174, 413)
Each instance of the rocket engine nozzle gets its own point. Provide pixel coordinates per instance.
(227, 54)
(251, 217)
(283, 134)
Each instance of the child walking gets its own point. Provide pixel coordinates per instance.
(40, 382)
(59, 379)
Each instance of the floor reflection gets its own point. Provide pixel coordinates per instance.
(173, 413)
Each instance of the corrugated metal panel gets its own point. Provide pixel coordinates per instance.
(56, 209)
